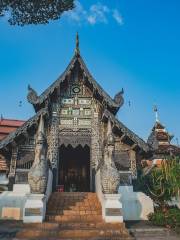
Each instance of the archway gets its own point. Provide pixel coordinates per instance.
(74, 169)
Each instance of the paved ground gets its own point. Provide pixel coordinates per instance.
(141, 230)
(144, 230)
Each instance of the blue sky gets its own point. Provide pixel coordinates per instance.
(130, 44)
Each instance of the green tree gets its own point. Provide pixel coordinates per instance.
(163, 183)
(25, 12)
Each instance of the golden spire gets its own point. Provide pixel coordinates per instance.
(77, 51)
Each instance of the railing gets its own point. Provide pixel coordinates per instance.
(125, 178)
(26, 165)
(21, 176)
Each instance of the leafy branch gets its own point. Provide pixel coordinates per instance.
(26, 12)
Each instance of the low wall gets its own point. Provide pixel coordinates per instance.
(111, 204)
(99, 190)
(135, 205)
(12, 202)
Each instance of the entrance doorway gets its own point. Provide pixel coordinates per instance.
(74, 169)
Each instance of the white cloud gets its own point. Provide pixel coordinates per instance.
(78, 14)
(118, 17)
(97, 13)
(91, 19)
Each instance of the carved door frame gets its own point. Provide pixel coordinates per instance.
(75, 137)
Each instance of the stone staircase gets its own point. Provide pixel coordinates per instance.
(74, 216)
(74, 207)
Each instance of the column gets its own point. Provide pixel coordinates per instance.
(133, 164)
(53, 150)
(95, 148)
(12, 172)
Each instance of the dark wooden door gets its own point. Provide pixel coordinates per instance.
(74, 169)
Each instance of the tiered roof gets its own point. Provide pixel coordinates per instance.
(23, 129)
(160, 140)
(9, 125)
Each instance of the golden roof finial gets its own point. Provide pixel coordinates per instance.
(77, 51)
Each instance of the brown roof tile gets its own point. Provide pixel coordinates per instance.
(8, 126)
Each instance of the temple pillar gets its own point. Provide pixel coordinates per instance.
(133, 167)
(12, 171)
(53, 143)
(96, 155)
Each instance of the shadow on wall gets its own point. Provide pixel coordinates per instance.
(135, 205)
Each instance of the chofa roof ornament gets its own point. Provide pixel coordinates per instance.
(118, 98)
(32, 96)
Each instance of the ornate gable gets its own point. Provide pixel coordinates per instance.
(76, 71)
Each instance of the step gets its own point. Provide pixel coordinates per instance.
(73, 195)
(66, 212)
(75, 218)
(70, 199)
(72, 225)
(74, 231)
(78, 233)
(73, 207)
(75, 212)
(89, 238)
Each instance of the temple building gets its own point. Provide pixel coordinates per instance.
(76, 143)
(160, 141)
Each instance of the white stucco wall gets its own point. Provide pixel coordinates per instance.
(108, 201)
(12, 202)
(99, 190)
(135, 205)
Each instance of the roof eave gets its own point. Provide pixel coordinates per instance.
(113, 107)
(135, 138)
(12, 136)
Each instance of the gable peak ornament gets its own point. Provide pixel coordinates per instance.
(118, 98)
(32, 96)
(77, 51)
